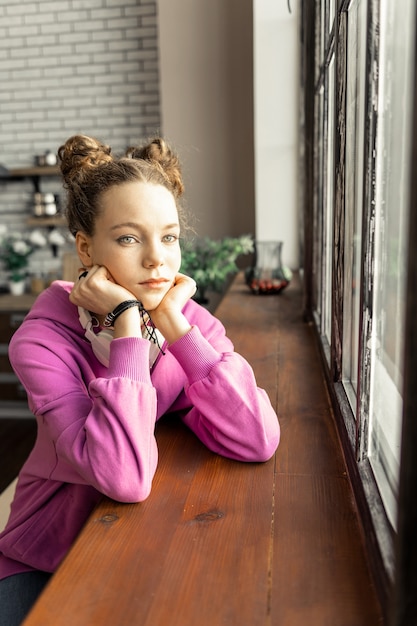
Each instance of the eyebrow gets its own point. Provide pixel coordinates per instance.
(139, 226)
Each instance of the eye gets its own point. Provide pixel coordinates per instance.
(170, 238)
(127, 239)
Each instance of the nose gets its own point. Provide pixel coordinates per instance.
(154, 254)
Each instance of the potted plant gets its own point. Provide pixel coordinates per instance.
(15, 250)
(210, 262)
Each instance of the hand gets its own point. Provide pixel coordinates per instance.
(168, 316)
(182, 289)
(97, 291)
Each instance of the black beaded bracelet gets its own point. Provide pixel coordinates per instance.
(121, 308)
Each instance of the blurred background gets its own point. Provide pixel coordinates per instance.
(217, 79)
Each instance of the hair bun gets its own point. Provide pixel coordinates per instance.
(80, 154)
(158, 151)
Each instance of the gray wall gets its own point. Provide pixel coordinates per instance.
(206, 69)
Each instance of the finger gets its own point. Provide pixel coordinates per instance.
(184, 278)
(83, 274)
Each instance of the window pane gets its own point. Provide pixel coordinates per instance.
(318, 206)
(355, 128)
(393, 153)
(328, 208)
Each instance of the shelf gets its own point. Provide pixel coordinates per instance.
(34, 172)
(8, 302)
(46, 222)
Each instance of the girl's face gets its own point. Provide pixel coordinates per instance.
(137, 239)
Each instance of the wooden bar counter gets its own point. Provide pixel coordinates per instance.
(225, 543)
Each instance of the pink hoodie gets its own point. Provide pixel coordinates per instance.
(96, 424)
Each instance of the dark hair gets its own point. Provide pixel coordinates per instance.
(89, 169)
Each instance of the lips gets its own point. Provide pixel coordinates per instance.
(154, 282)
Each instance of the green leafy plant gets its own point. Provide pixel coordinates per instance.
(15, 254)
(15, 250)
(210, 262)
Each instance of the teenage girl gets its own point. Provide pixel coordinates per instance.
(104, 358)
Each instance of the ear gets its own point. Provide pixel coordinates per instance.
(83, 245)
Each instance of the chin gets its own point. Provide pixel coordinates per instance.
(150, 302)
(151, 299)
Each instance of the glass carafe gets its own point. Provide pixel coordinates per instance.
(268, 275)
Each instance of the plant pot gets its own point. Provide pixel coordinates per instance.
(200, 296)
(17, 287)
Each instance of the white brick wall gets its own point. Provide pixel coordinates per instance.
(69, 66)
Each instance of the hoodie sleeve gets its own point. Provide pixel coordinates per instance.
(230, 413)
(102, 435)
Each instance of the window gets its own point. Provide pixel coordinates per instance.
(324, 198)
(363, 98)
(355, 123)
(390, 253)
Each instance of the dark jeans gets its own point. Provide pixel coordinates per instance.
(17, 595)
